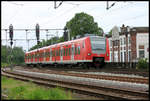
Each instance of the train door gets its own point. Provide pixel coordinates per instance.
(61, 55)
(50, 54)
(55, 56)
(72, 52)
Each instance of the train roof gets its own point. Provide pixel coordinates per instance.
(63, 43)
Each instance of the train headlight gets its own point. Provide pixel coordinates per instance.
(107, 54)
(89, 54)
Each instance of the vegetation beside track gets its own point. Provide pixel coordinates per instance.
(17, 90)
(17, 55)
(142, 64)
(4, 65)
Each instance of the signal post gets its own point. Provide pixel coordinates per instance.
(11, 43)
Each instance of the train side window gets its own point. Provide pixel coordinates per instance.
(66, 51)
(83, 44)
(52, 53)
(59, 52)
(49, 52)
(56, 52)
(39, 55)
(79, 50)
(44, 54)
(69, 51)
(75, 50)
(72, 52)
(62, 52)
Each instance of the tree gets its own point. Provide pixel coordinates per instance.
(110, 33)
(17, 53)
(81, 24)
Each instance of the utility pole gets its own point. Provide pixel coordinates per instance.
(55, 5)
(27, 38)
(28, 43)
(108, 5)
(6, 48)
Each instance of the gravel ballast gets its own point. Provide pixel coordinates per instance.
(91, 81)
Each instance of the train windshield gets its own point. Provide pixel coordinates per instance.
(98, 44)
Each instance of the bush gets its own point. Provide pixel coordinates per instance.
(142, 64)
(4, 65)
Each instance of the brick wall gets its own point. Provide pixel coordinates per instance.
(133, 45)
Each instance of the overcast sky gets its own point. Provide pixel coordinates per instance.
(27, 14)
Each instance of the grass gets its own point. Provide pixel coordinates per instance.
(17, 90)
(4, 65)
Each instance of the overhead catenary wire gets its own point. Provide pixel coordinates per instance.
(51, 20)
(125, 20)
(112, 11)
(14, 15)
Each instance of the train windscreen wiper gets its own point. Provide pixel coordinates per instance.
(98, 49)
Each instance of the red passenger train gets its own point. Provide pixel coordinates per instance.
(89, 50)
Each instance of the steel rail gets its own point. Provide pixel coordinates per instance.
(98, 91)
(105, 77)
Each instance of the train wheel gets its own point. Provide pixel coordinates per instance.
(85, 66)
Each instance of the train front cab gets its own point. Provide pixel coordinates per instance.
(99, 50)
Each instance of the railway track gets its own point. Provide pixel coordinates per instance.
(92, 90)
(94, 76)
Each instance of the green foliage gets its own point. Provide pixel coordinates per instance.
(17, 55)
(81, 24)
(43, 94)
(110, 33)
(51, 41)
(5, 51)
(4, 65)
(142, 64)
(18, 90)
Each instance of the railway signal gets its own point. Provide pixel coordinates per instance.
(11, 43)
(11, 33)
(37, 33)
(65, 34)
